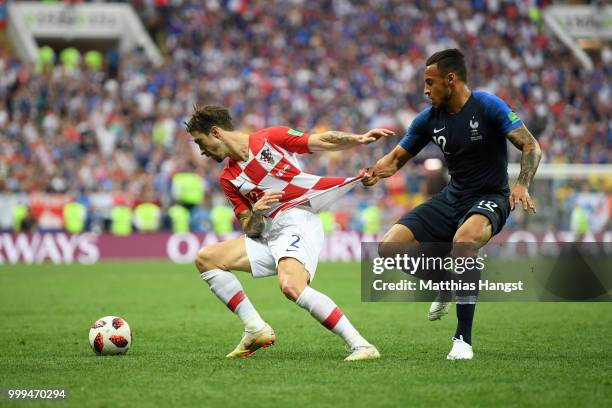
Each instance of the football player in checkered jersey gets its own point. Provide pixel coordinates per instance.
(276, 204)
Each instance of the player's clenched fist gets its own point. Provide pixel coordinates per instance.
(373, 135)
(369, 178)
(266, 201)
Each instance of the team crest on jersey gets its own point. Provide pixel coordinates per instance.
(474, 134)
(266, 155)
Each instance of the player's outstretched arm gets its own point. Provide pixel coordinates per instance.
(334, 140)
(253, 221)
(522, 138)
(387, 166)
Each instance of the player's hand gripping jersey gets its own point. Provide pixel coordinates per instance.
(273, 166)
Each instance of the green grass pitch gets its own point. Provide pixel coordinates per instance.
(526, 354)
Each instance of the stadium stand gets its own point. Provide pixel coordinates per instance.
(116, 135)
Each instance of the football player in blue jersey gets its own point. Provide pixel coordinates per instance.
(470, 128)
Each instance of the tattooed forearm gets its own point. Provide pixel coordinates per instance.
(524, 141)
(334, 140)
(529, 165)
(338, 138)
(253, 223)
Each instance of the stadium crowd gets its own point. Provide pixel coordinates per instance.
(119, 132)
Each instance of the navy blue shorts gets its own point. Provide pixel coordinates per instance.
(439, 218)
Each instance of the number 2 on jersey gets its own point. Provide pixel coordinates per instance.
(294, 243)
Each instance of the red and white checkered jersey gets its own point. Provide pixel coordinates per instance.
(273, 166)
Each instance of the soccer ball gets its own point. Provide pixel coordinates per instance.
(110, 335)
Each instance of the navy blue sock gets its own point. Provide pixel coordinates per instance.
(465, 317)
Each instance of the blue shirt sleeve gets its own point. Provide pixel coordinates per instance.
(416, 137)
(499, 113)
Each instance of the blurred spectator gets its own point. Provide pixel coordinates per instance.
(75, 215)
(94, 60)
(328, 221)
(70, 57)
(579, 223)
(23, 220)
(371, 217)
(147, 217)
(435, 177)
(188, 189)
(45, 59)
(222, 218)
(121, 220)
(179, 218)
(200, 219)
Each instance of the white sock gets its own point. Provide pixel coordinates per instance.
(229, 290)
(322, 308)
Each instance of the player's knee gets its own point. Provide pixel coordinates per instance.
(385, 249)
(391, 248)
(396, 240)
(464, 237)
(465, 243)
(292, 277)
(291, 290)
(207, 259)
(290, 286)
(472, 236)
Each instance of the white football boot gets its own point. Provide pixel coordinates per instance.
(460, 351)
(367, 352)
(253, 341)
(439, 307)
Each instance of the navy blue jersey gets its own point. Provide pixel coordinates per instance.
(472, 140)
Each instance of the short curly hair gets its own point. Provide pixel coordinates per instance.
(450, 60)
(205, 117)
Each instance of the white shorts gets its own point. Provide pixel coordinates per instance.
(296, 233)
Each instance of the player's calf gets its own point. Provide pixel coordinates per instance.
(293, 281)
(469, 238)
(214, 263)
(412, 248)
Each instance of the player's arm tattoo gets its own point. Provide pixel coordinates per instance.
(334, 140)
(337, 140)
(336, 137)
(253, 223)
(522, 138)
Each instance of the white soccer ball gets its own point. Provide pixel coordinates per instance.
(110, 335)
